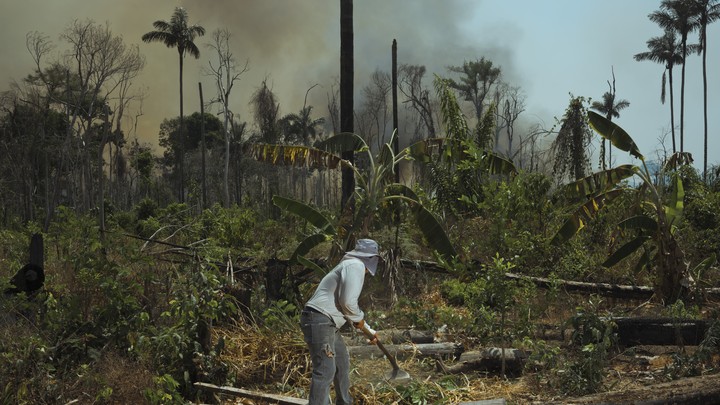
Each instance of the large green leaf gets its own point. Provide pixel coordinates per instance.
(599, 182)
(583, 215)
(703, 266)
(639, 222)
(319, 271)
(397, 189)
(675, 209)
(497, 164)
(307, 245)
(611, 131)
(429, 225)
(306, 212)
(645, 259)
(626, 250)
(434, 232)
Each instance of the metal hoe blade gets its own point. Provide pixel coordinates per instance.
(397, 375)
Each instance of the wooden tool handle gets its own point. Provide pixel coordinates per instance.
(379, 344)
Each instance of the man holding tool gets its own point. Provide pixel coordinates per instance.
(334, 302)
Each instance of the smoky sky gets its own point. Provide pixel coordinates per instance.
(294, 44)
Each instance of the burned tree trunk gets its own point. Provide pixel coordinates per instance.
(660, 331)
(276, 272)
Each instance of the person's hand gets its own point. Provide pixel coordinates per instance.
(369, 333)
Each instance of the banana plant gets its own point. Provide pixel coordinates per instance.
(375, 190)
(375, 186)
(653, 229)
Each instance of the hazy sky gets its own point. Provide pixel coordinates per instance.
(550, 48)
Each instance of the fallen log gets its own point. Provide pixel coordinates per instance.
(255, 395)
(660, 331)
(604, 289)
(488, 360)
(702, 390)
(404, 351)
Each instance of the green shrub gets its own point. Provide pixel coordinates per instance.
(593, 338)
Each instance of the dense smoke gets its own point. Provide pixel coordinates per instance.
(294, 44)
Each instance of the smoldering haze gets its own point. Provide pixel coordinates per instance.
(293, 44)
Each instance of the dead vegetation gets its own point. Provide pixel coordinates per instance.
(276, 360)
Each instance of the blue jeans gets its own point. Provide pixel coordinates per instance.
(330, 359)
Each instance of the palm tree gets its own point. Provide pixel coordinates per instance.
(178, 34)
(665, 50)
(709, 12)
(301, 129)
(611, 109)
(678, 16)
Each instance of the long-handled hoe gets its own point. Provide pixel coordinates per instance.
(396, 374)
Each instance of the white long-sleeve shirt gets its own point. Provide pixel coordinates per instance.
(337, 294)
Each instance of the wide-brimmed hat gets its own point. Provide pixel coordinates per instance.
(368, 252)
(365, 248)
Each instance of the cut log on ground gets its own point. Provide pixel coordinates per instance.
(255, 395)
(488, 360)
(441, 350)
(702, 390)
(604, 289)
(660, 331)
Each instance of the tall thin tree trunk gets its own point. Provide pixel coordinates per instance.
(202, 140)
(396, 141)
(101, 174)
(672, 110)
(705, 114)
(226, 130)
(182, 136)
(347, 73)
(682, 98)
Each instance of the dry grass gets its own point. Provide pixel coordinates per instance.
(277, 362)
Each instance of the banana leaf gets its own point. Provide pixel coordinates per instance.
(639, 222)
(599, 182)
(626, 250)
(703, 266)
(306, 212)
(291, 155)
(644, 259)
(319, 271)
(616, 135)
(307, 245)
(583, 215)
(429, 225)
(497, 164)
(674, 211)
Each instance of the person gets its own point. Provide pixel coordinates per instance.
(335, 302)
